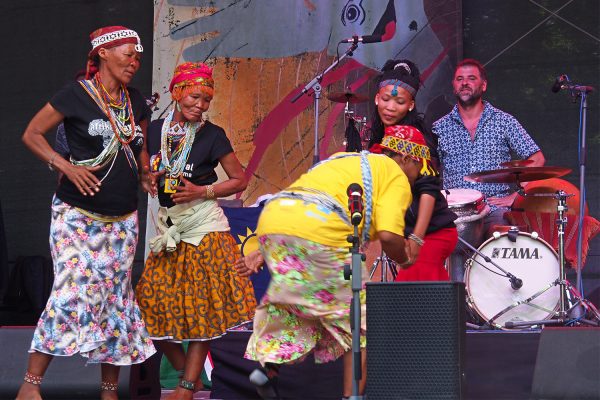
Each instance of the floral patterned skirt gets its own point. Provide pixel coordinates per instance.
(194, 292)
(307, 305)
(92, 308)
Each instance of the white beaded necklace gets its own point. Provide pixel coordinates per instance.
(175, 167)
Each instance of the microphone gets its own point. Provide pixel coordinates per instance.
(563, 82)
(355, 203)
(363, 39)
(558, 83)
(515, 283)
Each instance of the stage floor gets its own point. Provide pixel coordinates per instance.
(499, 365)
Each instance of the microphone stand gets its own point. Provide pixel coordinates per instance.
(355, 270)
(515, 282)
(315, 85)
(581, 92)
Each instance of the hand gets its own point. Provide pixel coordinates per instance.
(413, 250)
(149, 181)
(83, 178)
(505, 201)
(186, 192)
(249, 264)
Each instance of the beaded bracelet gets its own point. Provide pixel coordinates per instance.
(186, 384)
(33, 379)
(109, 386)
(416, 239)
(210, 192)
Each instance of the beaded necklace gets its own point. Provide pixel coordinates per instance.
(119, 126)
(117, 119)
(174, 160)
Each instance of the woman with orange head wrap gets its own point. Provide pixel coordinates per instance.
(189, 290)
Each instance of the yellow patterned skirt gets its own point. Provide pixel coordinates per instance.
(194, 293)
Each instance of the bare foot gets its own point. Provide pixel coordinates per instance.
(28, 391)
(181, 394)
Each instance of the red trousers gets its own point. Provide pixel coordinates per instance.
(430, 263)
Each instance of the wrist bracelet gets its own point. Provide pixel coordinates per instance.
(210, 192)
(416, 239)
(186, 384)
(51, 162)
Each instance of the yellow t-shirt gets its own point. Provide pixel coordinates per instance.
(391, 198)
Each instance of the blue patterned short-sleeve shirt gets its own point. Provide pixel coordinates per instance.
(498, 134)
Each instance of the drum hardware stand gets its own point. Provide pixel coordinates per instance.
(387, 266)
(358, 124)
(315, 85)
(564, 286)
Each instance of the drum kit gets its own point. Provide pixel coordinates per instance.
(513, 279)
(516, 279)
(354, 121)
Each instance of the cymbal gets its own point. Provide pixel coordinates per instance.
(516, 163)
(517, 174)
(347, 97)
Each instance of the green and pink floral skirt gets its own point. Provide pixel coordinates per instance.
(307, 305)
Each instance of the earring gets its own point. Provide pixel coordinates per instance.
(177, 106)
(410, 109)
(376, 103)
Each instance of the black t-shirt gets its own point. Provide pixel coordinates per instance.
(442, 216)
(210, 144)
(88, 131)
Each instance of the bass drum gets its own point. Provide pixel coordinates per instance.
(529, 258)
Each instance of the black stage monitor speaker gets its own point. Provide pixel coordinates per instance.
(568, 364)
(415, 340)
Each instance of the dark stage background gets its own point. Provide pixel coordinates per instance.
(45, 43)
(525, 46)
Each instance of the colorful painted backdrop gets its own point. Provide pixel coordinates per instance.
(265, 52)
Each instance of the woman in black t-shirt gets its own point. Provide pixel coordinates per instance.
(94, 226)
(430, 228)
(189, 290)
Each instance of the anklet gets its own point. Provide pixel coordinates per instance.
(186, 384)
(112, 387)
(33, 379)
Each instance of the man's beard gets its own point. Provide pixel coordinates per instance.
(471, 100)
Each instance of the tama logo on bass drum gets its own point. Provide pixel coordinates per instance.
(516, 253)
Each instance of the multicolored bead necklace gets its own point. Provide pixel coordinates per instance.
(174, 160)
(118, 119)
(122, 133)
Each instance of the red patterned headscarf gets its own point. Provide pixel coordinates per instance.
(407, 140)
(191, 76)
(106, 38)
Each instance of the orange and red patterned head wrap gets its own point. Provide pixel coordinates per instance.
(191, 76)
(407, 140)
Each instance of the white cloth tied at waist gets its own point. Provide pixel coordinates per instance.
(191, 222)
